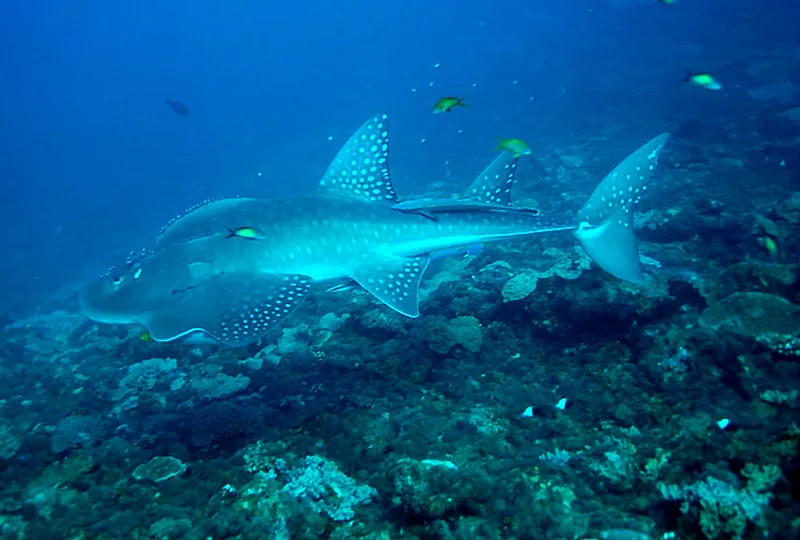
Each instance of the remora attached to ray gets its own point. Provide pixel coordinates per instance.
(198, 280)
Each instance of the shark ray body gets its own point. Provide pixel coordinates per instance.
(198, 279)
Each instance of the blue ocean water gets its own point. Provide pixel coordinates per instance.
(94, 162)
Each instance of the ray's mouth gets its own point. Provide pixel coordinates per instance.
(85, 296)
(182, 290)
(90, 307)
(178, 294)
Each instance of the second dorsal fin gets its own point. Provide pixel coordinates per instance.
(493, 185)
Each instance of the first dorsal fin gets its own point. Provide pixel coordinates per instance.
(361, 168)
(209, 217)
(494, 184)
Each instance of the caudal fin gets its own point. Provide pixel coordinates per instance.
(606, 230)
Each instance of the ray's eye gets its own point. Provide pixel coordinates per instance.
(116, 280)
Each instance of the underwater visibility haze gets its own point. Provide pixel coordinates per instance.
(485, 270)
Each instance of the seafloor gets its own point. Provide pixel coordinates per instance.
(536, 398)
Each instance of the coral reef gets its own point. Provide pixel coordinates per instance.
(535, 398)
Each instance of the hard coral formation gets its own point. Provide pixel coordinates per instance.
(325, 488)
(726, 510)
(159, 469)
(145, 375)
(569, 264)
(280, 493)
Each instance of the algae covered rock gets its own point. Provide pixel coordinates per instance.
(432, 488)
(752, 276)
(789, 209)
(170, 528)
(465, 331)
(769, 319)
(9, 442)
(764, 225)
(570, 161)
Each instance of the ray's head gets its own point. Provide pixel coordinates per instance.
(127, 294)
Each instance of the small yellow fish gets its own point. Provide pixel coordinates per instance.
(146, 337)
(704, 80)
(518, 147)
(446, 104)
(248, 233)
(771, 246)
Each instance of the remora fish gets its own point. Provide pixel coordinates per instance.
(196, 282)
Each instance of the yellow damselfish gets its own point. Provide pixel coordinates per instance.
(771, 246)
(446, 104)
(704, 80)
(518, 147)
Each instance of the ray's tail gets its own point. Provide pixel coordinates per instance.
(606, 229)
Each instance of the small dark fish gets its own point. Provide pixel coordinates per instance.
(248, 233)
(180, 108)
